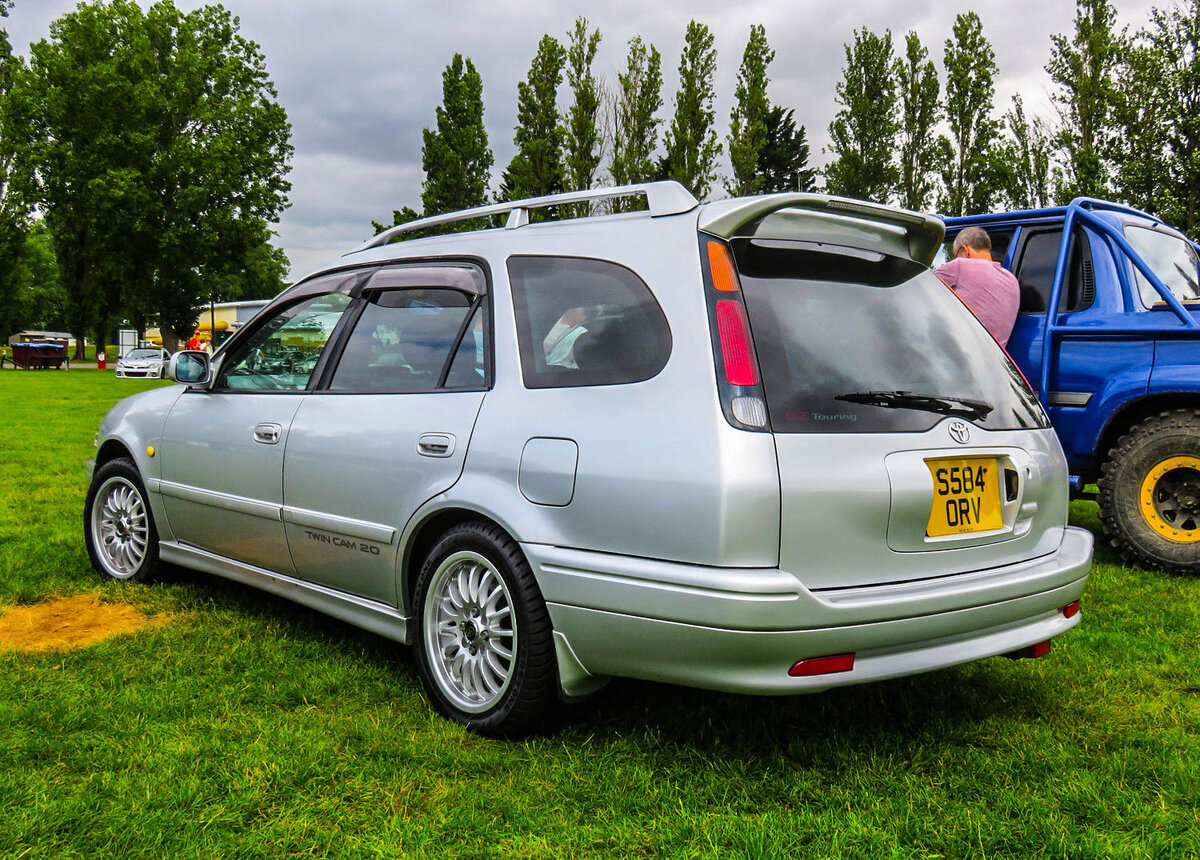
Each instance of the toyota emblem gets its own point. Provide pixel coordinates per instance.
(960, 432)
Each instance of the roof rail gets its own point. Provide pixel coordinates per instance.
(663, 198)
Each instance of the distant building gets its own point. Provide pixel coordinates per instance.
(223, 318)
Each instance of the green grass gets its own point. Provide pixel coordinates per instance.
(251, 727)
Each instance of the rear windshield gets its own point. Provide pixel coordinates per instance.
(853, 341)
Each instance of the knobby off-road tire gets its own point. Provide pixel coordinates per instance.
(484, 645)
(118, 525)
(1150, 493)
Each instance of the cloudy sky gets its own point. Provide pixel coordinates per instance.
(361, 78)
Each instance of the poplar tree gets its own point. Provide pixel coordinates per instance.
(783, 161)
(583, 139)
(1158, 111)
(1084, 70)
(455, 157)
(1026, 173)
(863, 132)
(691, 141)
(920, 110)
(635, 132)
(748, 119)
(970, 176)
(537, 168)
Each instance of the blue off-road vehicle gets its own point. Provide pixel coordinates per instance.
(1109, 336)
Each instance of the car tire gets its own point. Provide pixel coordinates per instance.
(118, 525)
(1150, 493)
(484, 644)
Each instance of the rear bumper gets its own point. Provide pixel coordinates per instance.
(740, 630)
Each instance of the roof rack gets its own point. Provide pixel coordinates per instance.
(663, 198)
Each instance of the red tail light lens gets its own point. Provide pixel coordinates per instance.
(822, 665)
(734, 334)
(1070, 610)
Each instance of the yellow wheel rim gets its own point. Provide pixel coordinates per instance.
(1170, 499)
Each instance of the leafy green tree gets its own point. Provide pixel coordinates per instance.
(159, 153)
(13, 208)
(455, 156)
(38, 300)
(970, 175)
(748, 119)
(1157, 149)
(783, 160)
(1084, 69)
(1025, 164)
(83, 122)
(920, 110)
(537, 168)
(691, 141)
(583, 138)
(863, 132)
(635, 132)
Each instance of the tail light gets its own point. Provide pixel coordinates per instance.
(738, 379)
(1070, 610)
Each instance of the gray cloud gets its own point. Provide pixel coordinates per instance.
(361, 78)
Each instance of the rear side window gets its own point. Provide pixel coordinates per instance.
(585, 322)
(1035, 273)
(405, 340)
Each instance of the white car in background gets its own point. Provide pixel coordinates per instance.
(144, 363)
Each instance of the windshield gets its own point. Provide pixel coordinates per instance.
(140, 354)
(1168, 256)
(853, 343)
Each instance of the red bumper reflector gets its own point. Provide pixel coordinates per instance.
(1070, 610)
(1041, 649)
(822, 665)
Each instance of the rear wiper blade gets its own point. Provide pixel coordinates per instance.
(939, 403)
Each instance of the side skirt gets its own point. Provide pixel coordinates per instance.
(370, 615)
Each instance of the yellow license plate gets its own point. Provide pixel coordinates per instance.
(966, 496)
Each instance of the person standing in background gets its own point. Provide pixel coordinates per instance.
(987, 288)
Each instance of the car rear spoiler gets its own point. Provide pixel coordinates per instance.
(922, 234)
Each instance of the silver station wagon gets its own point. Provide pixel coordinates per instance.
(753, 445)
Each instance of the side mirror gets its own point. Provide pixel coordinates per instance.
(190, 366)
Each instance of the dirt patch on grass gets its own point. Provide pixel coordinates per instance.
(65, 623)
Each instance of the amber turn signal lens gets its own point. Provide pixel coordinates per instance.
(720, 264)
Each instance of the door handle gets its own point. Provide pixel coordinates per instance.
(267, 434)
(435, 444)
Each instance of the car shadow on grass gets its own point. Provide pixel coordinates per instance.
(947, 705)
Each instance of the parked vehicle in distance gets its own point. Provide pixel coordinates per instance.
(1117, 366)
(752, 445)
(143, 362)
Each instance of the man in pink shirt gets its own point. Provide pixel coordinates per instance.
(986, 287)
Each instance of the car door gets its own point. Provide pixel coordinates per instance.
(1087, 359)
(222, 446)
(390, 429)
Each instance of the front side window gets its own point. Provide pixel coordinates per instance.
(282, 354)
(585, 322)
(1171, 258)
(407, 341)
(861, 343)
